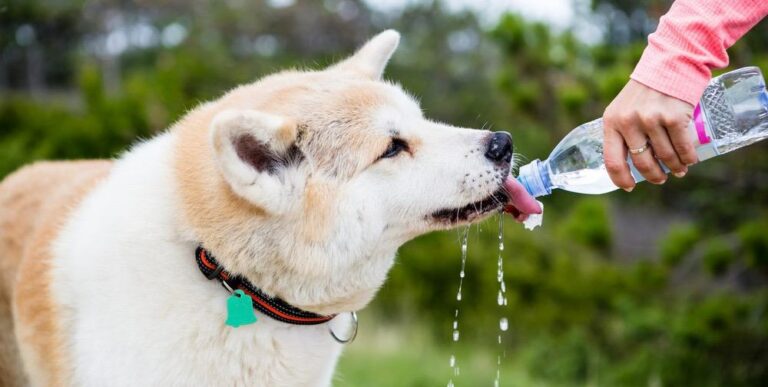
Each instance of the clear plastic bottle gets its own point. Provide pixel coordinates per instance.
(732, 113)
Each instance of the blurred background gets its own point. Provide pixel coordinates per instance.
(665, 286)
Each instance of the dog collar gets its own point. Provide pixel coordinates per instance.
(271, 306)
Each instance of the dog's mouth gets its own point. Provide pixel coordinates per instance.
(472, 211)
(512, 197)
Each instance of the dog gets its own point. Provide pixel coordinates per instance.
(294, 192)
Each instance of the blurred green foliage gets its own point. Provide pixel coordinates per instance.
(718, 254)
(588, 224)
(664, 286)
(755, 243)
(679, 241)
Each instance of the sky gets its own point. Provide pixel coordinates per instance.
(558, 13)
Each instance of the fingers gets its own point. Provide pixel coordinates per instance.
(615, 157)
(681, 140)
(644, 162)
(640, 114)
(663, 149)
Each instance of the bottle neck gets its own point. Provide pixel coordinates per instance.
(535, 178)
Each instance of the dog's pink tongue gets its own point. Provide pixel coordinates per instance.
(520, 199)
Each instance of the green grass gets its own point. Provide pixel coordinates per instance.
(407, 356)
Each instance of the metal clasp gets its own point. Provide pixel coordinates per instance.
(351, 338)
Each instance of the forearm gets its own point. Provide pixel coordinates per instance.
(691, 40)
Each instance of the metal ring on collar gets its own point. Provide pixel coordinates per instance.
(226, 286)
(351, 338)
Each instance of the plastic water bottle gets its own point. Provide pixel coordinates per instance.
(732, 113)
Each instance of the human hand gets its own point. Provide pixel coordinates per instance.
(638, 116)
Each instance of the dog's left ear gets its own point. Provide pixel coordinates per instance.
(258, 157)
(371, 59)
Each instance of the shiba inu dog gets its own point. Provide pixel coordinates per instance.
(296, 190)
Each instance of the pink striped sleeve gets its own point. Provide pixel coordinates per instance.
(691, 40)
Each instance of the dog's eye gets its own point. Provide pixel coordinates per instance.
(395, 147)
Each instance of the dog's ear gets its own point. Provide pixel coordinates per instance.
(371, 59)
(258, 157)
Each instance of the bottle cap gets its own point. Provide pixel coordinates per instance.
(530, 177)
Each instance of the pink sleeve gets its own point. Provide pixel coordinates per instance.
(691, 40)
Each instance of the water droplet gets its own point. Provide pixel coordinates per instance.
(464, 238)
(462, 274)
(500, 298)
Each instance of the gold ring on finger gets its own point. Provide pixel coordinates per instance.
(641, 149)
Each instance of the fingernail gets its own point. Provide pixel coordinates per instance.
(629, 189)
(679, 174)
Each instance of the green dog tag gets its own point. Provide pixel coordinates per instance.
(240, 309)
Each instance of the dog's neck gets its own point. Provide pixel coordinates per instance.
(273, 307)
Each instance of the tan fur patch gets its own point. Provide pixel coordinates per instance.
(34, 203)
(318, 202)
(287, 133)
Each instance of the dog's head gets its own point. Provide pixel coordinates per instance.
(308, 181)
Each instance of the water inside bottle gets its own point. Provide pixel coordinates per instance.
(585, 181)
(577, 163)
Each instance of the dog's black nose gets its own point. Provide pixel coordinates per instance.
(500, 147)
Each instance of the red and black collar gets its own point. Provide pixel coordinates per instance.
(270, 306)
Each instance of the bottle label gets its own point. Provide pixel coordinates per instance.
(700, 127)
(702, 140)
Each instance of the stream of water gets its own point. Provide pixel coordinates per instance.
(501, 300)
(455, 335)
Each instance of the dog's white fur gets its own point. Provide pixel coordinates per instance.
(314, 217)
